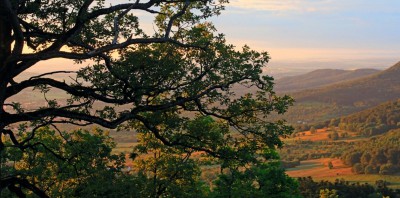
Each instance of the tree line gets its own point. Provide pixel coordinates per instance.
(341, 188)
(378, 155)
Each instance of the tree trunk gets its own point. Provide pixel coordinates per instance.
(5, 39)
(5, 52)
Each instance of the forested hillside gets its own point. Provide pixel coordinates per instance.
(378, 155)
(373, 121)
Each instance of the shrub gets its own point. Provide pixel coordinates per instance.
(358, 168)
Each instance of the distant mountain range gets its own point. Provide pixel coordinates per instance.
(322, 103)
(319, 78)
(362, 92)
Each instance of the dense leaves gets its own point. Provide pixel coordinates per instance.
(264, 179)
(381, 155)
(374, 121)
(60, 162)
(342, 188)
(173, 85)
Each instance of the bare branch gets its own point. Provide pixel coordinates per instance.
(51, 73)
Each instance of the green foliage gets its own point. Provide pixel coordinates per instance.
(333, 136)
(388, 169)
(81, 163)
(326, 193)
(176, 88)
(166, 171)
(265, 179)
(374, 121)
(61, 162)
(299, 150)
(342, 188)
(357, 168)
(380, 152)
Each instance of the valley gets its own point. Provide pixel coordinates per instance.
(335, 110)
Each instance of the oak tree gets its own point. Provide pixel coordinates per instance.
(155, 80)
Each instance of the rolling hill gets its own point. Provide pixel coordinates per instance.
(319, 78)
(373, 121)
(363, 92)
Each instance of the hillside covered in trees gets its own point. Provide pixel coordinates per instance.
(373, 121)
(378, 155)
(318, 105)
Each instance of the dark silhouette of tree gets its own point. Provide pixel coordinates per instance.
(157, 82)
(365, 158)
(352, 158)
(313, 130)
(357, 168)
(330, 165)
(342, 188)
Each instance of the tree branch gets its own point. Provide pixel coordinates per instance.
(5, 182)
(116, 20)
(174, 17)
(79, 91)
(18, 35)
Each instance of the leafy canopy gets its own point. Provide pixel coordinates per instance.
(181, 85)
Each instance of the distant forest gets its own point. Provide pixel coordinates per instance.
(372, 121)
(379, 155)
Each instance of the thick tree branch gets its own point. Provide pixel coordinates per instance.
(79, 91)
(18, 34)
(80, 56)
(82, 19)
(63, 113)
(5, 182)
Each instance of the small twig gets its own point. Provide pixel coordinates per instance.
(51, 73)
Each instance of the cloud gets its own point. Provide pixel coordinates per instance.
(287, 5)
(306, 6)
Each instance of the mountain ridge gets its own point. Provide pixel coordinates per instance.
(319, 78)
(366, 91)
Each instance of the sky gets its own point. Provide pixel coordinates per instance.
(303, 35)
(357, 33)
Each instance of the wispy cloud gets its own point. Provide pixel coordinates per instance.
(287, 5)
(305, 6)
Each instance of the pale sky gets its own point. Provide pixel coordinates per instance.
(332, 33)
(315, 29)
